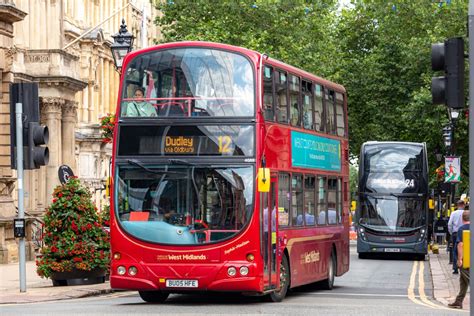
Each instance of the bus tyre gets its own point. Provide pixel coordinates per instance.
(279, 295)
(363, 255)
(328, 284)
(153, 296)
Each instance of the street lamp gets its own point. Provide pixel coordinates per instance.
(123, 44)
(454, 114)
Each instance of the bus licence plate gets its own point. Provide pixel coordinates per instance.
(181, 283)
(392, 249)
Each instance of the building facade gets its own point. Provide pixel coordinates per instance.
(64, 46)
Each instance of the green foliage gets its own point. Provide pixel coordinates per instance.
(292, 31)
(379, 50)
(73, 233)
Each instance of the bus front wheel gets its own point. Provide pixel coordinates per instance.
(153, 296)
(279, 295)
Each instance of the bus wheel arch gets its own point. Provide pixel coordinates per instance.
(153, 296)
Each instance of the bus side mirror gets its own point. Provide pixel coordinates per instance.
(263, 179)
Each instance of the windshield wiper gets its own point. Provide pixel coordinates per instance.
(136, 163)
(180, 162)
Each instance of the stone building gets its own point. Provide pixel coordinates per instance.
(64, 46)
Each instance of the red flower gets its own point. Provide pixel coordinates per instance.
(60, 194)
(54, 200)
(54, 249)
(77, 259)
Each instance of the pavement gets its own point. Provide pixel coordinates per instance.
(39, 289)
(445, 284)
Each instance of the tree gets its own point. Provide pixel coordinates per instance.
(295, 32)
(379, 50)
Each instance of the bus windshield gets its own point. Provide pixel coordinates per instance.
(182, 203)
(393, 168)
(391, 213)
(191, 82)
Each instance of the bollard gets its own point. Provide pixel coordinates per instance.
(466, 242)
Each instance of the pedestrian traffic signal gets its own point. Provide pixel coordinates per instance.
(449, 57)
(37, 155)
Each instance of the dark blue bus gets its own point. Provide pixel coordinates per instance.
(392, 213)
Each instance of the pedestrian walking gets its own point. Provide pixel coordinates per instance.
(464, 275)
(455, 222)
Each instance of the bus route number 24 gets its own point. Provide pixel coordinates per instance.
(225, 144)
(410, 183)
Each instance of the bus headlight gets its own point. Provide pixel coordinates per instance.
(121, 270)
(132, 271)
(244, 271)
(232, 271)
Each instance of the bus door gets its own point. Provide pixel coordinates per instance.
(270, 235)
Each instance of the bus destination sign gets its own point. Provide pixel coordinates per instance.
(179, 145)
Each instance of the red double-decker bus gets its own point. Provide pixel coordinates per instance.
(230, 173)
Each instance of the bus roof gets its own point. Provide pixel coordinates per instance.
(254, 55)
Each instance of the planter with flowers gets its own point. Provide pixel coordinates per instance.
(107, 124)
(76, 247)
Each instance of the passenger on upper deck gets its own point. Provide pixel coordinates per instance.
(139, 107)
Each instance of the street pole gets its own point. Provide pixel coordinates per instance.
(471, 129)
(21, 212)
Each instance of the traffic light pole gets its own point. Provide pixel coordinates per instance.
(21, 212)
(471, 129)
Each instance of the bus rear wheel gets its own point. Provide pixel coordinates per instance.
(279, 295)
(328, 284)
(153, 296)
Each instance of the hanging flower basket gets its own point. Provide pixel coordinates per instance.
(76, 247)
(107, 124)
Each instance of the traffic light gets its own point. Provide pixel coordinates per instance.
(34, 135)
(37, 155)
(447, 136)
(449, 57)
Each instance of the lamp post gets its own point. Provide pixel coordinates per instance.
(123, 44)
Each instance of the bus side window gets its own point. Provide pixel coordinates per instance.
(309, 205)
(340, 122)
(294, 100)
(339, 201)
(307, 104)
(268, 111)
(330, 113)
(282, 98)
(283, 199)
(297, 200)
(318, 108)
(332, 201)
(321, 198)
